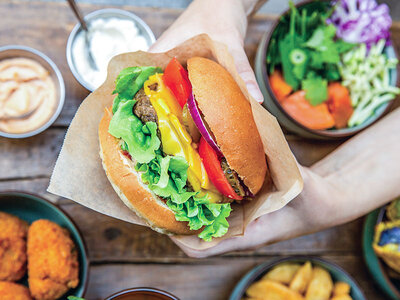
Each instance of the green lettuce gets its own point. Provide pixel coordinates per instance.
(165, 175)
(130, 81)
(142, 140)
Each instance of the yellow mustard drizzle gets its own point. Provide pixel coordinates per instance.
(175, 139)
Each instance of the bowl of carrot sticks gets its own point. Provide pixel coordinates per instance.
(327, 69)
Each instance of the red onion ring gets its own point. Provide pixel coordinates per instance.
(198, 120)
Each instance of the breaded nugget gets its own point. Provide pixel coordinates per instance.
(13, 291)
(52, 261)
(13, 233)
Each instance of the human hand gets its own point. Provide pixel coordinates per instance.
(361, 175)
(308, 212)
(227, 24)
(355, 179)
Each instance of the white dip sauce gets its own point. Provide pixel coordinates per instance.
(108, 37)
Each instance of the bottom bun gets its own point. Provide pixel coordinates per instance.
(127, 184)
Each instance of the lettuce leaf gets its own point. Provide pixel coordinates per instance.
(142, 140)
(130, 81)
(166, 177)
(316, 89)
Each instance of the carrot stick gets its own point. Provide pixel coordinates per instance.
(279, 86)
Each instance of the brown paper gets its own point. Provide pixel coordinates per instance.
(78, 174)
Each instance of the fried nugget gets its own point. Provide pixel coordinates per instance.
(52, 261)
(13, 233)
(13, 291)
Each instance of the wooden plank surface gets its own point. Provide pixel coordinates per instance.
(211, 279)
(125, 255)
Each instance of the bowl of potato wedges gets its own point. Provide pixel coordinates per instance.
(297, 278)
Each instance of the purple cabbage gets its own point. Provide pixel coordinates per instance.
(361, 21)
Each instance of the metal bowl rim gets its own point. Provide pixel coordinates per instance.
(142, 289)
(93, 15)
(61, 88)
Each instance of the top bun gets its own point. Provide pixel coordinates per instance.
(228, 114)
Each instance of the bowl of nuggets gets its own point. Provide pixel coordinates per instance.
(42, 253)
(381, 247)
(297, 278)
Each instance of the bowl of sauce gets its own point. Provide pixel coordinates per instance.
(111, 32)
(32, 92)
(142, 294)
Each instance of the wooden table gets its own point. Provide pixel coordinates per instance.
(123, 255)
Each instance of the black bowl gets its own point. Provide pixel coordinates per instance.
(337, 273)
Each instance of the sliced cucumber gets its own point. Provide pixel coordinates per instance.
(297, 57)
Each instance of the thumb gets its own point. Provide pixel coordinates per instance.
(246, 72)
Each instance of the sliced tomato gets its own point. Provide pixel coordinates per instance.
(214, 171)
(314, 117)
(177, 80)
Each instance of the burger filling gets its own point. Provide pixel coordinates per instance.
(143, 108)
(233, 178)
(148, 120)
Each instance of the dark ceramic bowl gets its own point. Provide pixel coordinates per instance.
(381, 273)
(142, 293)
(273, 106)
(30, 208)
(337, 273)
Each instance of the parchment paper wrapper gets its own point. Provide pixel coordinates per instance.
(78, 174)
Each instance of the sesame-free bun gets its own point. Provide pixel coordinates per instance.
(228, 114)
(129, 187)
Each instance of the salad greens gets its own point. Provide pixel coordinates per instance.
(165, 175)
(326, 63)
(308, 50)
(366, 75)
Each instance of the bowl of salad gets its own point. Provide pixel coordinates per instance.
(327, 69)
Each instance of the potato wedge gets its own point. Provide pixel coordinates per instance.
(282, 273)
(272, 290)
(302, 278)
(321, 285)
(341, 288)
(342, 297)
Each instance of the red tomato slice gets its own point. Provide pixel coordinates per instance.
(214, 170)
(314, 117)
(177, 80)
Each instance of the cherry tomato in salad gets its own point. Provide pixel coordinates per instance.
(177, 80)
(214, 171)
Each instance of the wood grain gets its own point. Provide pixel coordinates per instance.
(111, 240)
(206, 279)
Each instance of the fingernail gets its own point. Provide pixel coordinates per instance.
(255, 92)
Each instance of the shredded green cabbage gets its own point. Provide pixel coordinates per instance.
(366, 75)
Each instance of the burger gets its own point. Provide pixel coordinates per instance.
(179, 146)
